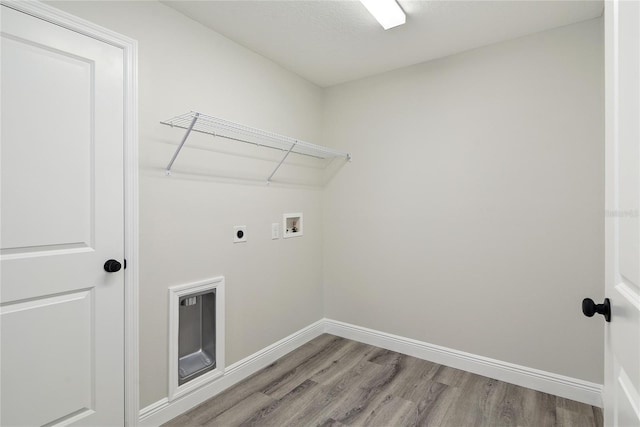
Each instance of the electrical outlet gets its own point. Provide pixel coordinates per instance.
(239, 234)
(275, 231)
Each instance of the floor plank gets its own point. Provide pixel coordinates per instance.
(238, 412)
(598, 416)
(322, 359)
(209, 410)
(329, 405)
(534, 408)
(281, 411)
(336, 382)
(477, 404)
(392, 411)
(434, 404)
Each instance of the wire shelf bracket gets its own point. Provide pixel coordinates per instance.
(194, 121)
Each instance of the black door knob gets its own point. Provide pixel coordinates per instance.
(589, 308)
(111, 266)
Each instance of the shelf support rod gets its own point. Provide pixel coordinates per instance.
(184, 139)
(281, 161)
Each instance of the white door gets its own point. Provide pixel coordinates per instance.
(622, 334)
(62, 314)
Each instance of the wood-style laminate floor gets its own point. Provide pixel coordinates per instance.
(332, 381)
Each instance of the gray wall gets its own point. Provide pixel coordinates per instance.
(273, 287)
(472, 214)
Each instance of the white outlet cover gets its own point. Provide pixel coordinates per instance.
(275, 231)
(239, 234)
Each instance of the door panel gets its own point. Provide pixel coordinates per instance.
(627, 146)
(55, 343)
(62, 315)
(56, 212)
(622, 335)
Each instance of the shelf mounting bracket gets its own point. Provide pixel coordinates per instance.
(281, 161)
(184, 139)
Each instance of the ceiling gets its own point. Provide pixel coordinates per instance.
(330, 42)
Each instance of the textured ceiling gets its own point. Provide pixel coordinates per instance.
(330, 42)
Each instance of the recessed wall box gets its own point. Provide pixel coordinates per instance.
(292, 225)
(196, 335)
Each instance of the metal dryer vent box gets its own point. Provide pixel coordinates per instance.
(196, 335)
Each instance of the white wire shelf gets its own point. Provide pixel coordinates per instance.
(194, 121)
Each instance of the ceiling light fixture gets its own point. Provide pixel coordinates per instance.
(387, 12)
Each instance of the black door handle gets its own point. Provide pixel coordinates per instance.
(111, 266)
(589, 308)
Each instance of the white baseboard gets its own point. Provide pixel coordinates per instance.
(582, 391)
(162, 411)
(547, 382)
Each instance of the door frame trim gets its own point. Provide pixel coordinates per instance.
(129, 47)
